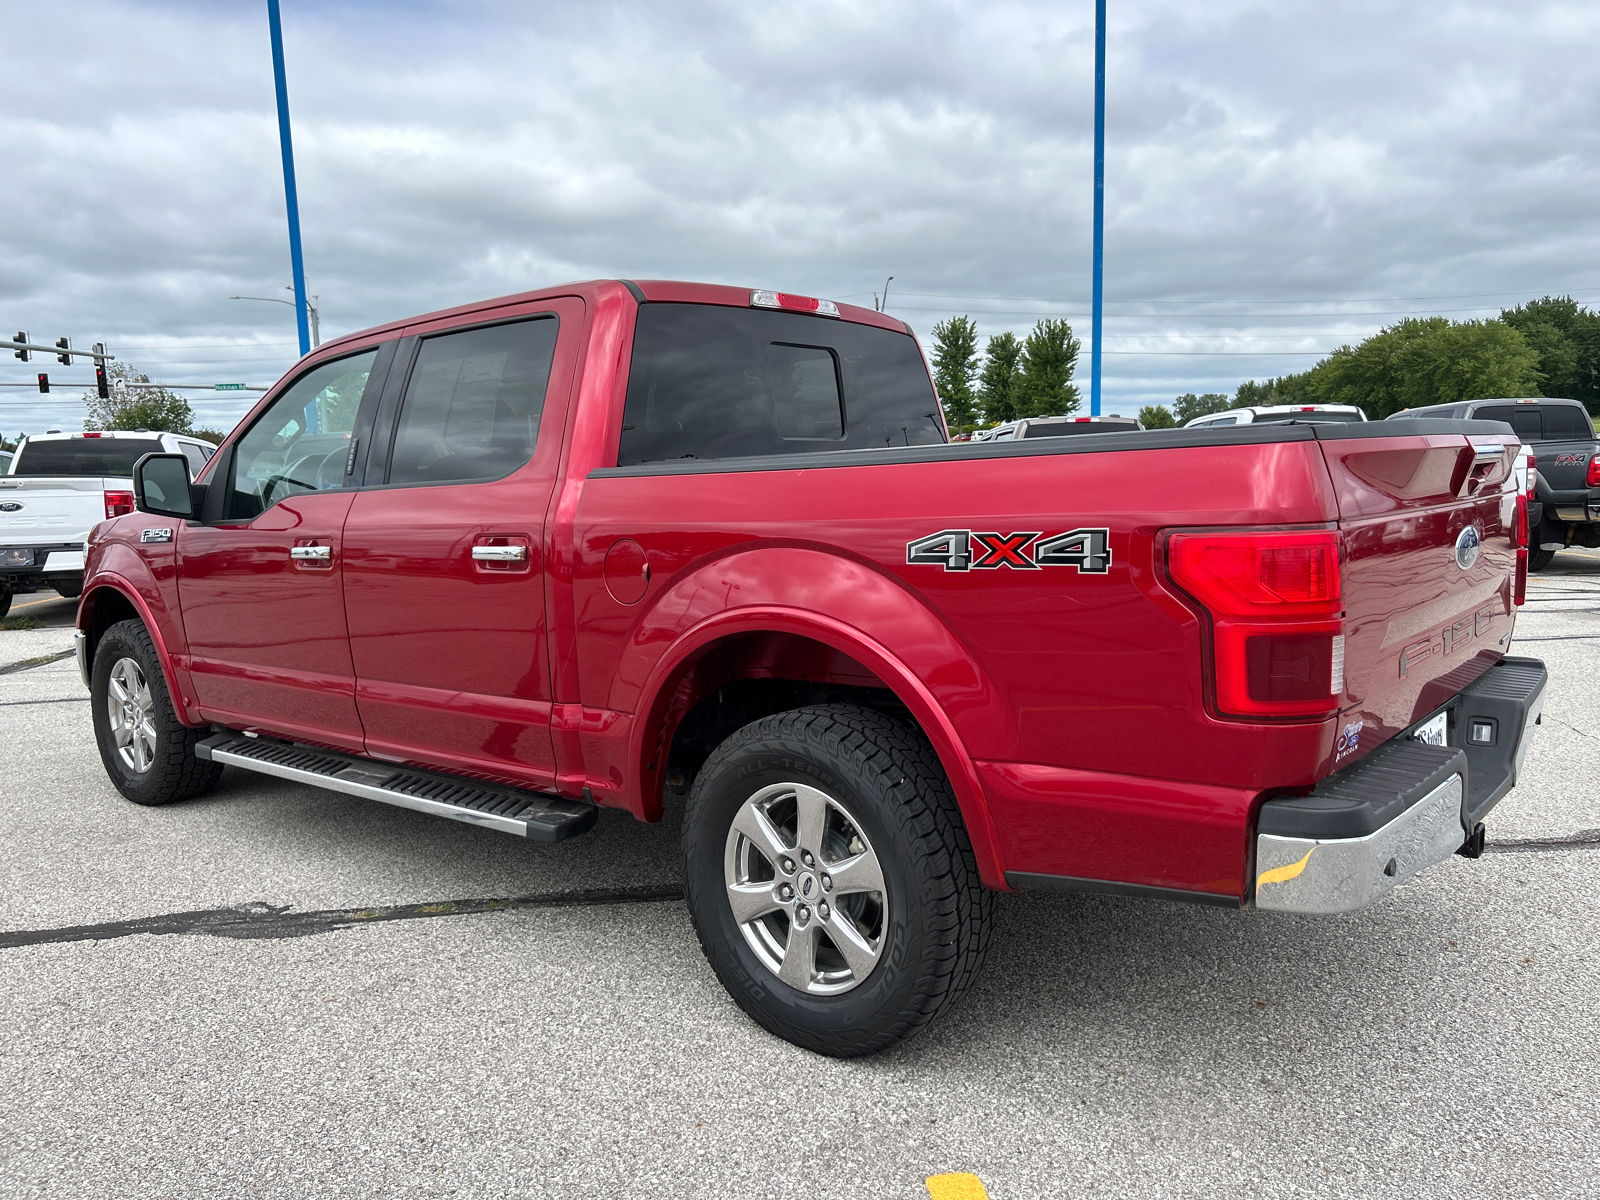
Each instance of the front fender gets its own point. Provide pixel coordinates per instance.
(117, 568)
(845, 604)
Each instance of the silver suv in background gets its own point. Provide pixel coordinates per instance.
(59, 486)
(1261, 414)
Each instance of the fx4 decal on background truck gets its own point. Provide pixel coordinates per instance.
(1086, 550)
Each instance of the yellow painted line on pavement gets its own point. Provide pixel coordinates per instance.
(31, 603)
(956, 1186)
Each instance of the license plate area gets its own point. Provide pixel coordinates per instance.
(1434, 730)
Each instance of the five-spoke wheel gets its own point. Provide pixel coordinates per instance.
(131, 710)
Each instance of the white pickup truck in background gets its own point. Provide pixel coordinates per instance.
(57, 488)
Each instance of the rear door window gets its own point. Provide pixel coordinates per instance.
(194, 455)
(1563, 423)
(1523, 418)
(711, 382)
(472, 405)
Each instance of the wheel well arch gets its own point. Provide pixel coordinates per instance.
(758, 667)
(105, 606)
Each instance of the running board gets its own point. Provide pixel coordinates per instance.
(528, 814)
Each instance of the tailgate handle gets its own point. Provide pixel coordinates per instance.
(516, 554)
(311, 553)
(1488, 450)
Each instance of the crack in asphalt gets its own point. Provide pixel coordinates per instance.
(262, 920)
(276, 921)
(28, 664)
(1584, 839)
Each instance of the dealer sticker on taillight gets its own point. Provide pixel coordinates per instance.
(1431, 731)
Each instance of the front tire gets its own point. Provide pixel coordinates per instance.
(831, 880)
(146, 750)
(1539, 559)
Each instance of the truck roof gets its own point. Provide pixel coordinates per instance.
(661, 291)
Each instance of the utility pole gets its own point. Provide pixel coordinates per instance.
(291, 197)
(884, 307)
(1098, 285)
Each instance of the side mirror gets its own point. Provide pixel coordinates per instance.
(161, 486)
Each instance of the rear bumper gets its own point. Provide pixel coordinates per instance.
(46, 563)
(1402, 808)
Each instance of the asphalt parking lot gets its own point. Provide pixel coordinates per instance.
(278, 991)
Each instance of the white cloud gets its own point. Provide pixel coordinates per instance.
(449, 152)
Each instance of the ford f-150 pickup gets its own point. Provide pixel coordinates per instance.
(662, 544)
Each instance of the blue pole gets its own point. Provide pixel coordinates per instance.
(1098, 283)
(296, 263)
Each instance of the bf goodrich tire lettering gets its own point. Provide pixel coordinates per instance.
(883, 824)
(148, 753)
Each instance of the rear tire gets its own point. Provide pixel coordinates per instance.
(5, 603)
(1539, 559)
(68, 589)
(147, 751)
(862, 916)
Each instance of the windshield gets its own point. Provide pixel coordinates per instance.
(83, 456)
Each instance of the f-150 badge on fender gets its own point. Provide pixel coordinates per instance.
(1086, 550)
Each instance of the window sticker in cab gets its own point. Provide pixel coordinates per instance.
(1088, 551)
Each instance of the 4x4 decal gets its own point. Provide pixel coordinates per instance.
(1086, 550)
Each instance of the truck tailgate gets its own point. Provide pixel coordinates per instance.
(1428, 570)
(37, 510)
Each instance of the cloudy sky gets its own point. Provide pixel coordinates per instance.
(1281, 178)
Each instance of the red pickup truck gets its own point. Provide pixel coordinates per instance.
(651, 544)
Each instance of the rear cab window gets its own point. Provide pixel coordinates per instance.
(84, 456)
(1523, 418)
(714, 382)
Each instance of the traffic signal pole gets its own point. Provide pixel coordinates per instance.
(291, 197)
(1097, 285)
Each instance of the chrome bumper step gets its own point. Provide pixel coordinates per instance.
(510, 810)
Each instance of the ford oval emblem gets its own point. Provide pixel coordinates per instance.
(10, 506)
(1468, 543)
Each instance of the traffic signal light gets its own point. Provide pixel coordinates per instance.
(22, 336)
(44, 382)
(102, 386)
(64, 358)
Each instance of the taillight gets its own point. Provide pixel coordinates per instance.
(1519, 539)
(1533, 475)
(1277, 638)
(1593, 478)
(118, 504)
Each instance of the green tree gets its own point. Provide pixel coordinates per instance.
(1157, 416)
(214, 436)
(137, 407)
(1425, 360)
(1188, 406)
(955, 369)
(1002, 367)
(1049, 357)
(1566, 337)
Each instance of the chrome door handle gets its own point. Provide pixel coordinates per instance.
(311, 553)
(500, 553)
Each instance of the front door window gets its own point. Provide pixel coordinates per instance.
(302, 443)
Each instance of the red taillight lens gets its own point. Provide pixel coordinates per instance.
(1593, 478)
(1277, 640)
(94, 435)
(1519, 526)
(1519, 581)
(1259, 574)
(118, 504)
